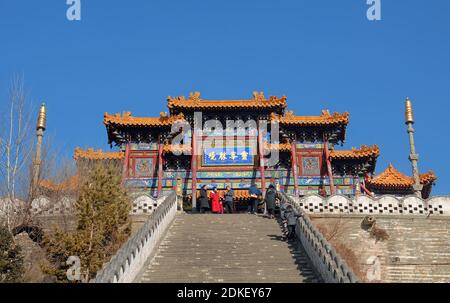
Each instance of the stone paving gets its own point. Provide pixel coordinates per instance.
(227, 248)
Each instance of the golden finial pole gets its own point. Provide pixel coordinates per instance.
(42, 117)
(413, 156)
(40, 128)
(409, 117)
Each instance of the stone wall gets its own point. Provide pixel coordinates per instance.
(417, 249)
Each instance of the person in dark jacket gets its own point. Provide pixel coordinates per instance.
(253, 203)
(283, 207)
(204, 202)
(229, 196)
(270, 198)
(291, 216)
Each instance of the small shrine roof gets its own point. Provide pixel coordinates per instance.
(70, 184)
(392, 178)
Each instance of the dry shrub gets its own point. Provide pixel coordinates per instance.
(331, 234)
(379, 234)
(350, 258)
(332, 230)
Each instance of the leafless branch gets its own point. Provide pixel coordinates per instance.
(15, 148)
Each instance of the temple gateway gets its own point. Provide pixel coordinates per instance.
(308, 160)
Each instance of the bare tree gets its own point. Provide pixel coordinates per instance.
(15, 150)
(59, 184)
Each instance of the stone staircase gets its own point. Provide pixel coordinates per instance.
(227, 248)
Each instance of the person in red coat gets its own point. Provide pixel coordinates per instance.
(216, 205)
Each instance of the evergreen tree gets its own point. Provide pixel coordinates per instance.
(11, 260)
(102, 211)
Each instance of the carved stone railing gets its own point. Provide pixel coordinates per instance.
(326, 261)
(132, 257)
(44, 206)
(380, 205)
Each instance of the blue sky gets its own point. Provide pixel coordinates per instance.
(321, 54)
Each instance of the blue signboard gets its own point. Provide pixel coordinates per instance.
(228, 174)
(217, 156)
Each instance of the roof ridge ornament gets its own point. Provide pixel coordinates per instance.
(194, 96)
(326, 113)
(259, 96)
(163, 116)
(290, 114)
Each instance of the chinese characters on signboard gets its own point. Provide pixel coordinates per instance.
(227, 156)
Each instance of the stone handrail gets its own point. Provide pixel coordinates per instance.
(327, 262)
(381, 205)
(45, 206)
(133, 255)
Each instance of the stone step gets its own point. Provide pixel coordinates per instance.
(228, 248)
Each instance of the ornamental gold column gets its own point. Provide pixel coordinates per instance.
(413, 157)
(40, 128)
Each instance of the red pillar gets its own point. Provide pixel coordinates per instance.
(328, 160)
(126, 162)
(160, 164)
(294, 165)
(194, 170)
(261, 160)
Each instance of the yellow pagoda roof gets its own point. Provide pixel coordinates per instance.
(324, 119)
(70, 184)
(91, 154)
(363, 152)
(258, 101)
(126, 119)
(392, 178)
